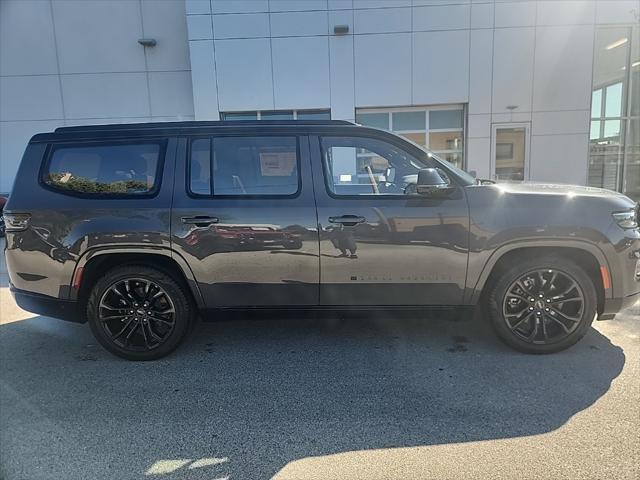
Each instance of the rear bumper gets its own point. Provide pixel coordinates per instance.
(48, 306)
(614, 305)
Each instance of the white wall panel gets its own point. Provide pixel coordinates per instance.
(559, 158)
(299, 24)
(381, 3)
(383, 69)
(480, 71)
(482, 15)
(515, 14)
(13, 140)
(199, 27)
(16, 39)
(478, 155)
(203, 80)
(171, 94)
(384, 20)
(549, 123)
(342, 77)
(246, 25)
(105, 95)
(239, 6)
(166, 22)
(98, 36)
(440, 67)
(244, 74)
(617, 11)
(421, 3)
(479, 125)
(30, 98)
(445, 17)
(512, 68)
(563, 68)
(296, 5)
(340, 17)
(566, 12)
(301, 72)
(197, 7)
(340, 4)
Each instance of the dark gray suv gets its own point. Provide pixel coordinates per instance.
(138, 229)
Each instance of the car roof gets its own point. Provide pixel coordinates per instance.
(154, 129)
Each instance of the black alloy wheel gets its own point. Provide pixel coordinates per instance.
(542, 305)
(139, 313)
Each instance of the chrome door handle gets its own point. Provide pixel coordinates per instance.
(200, 220)
(348, 220)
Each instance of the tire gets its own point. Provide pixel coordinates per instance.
(122, 325)
(530, 310)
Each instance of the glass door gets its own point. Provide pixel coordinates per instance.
(510, 152)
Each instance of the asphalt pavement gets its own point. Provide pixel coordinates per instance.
(376, 397)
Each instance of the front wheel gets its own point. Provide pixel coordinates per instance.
(138, 313)
(543, 305)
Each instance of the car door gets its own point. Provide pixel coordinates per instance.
(381, 243)
(244, 218)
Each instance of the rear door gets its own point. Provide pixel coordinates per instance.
(381, 243)
(244, 218)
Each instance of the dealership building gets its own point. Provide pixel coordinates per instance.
(544, 90)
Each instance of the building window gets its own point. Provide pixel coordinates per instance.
(439, 128)
(614, 136)
(278, 115)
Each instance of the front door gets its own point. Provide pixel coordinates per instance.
(381, 243)
(244, 219)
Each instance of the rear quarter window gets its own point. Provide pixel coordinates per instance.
(105, 169)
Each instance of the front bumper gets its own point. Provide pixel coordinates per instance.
(48, 306)
(614, 305)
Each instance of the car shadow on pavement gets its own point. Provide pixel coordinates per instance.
(242, 399)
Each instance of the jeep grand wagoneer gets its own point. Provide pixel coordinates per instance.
(139, 229)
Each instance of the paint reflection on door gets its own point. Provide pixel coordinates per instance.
(380, 242)
(249, 233)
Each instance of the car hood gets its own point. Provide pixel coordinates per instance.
(558, 189)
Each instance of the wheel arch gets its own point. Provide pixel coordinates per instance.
(95, 262)
(588, 256)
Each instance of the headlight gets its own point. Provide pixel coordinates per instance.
(627, 219)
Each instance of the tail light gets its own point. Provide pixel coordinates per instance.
(15, 222)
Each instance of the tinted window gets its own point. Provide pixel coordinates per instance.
(201, 166)
(365, 166)
(245, 166)
(105, 169)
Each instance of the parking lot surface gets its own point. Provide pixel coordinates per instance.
(377, 397)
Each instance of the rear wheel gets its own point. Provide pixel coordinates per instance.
(139, 313)
(543, 305)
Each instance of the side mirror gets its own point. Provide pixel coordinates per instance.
(431, 183)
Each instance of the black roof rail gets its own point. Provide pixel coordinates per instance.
(196, 124)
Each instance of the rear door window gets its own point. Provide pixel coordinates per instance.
(245, 166)
(105, 169)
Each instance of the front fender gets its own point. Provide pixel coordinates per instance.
(477, 282)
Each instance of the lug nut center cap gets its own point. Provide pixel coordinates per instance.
(540, 304)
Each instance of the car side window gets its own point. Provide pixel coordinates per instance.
(105, 170)
(367, 166)
(244, 166)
